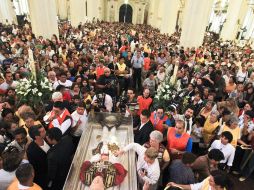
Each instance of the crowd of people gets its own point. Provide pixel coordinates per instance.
(118, 67)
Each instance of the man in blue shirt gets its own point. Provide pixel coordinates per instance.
(137, 62)
(180, 171)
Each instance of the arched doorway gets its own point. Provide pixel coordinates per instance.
(125, 13)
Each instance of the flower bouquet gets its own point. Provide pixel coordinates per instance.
(34, 91)
(165, 95)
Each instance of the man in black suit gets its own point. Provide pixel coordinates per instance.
(142, 132)
(59, 158)
(37, 154)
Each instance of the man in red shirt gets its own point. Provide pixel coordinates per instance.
(144, 101)
(99, 69)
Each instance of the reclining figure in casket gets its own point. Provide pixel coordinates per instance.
(103, 162)
(113, 173)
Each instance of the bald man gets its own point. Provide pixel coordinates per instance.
(108, 83)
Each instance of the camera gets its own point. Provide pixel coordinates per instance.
(100, 100)
(123, 102)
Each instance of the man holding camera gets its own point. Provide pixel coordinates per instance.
(102, 102)
(129, 105)
(108, 83)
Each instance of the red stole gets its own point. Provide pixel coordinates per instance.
(177, 143)
(60, 119)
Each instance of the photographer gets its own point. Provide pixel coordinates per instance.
(129, 105)
(122, 102)
(102, 102)
(108, 83)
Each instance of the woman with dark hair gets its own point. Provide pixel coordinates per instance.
(248, 95)
(75, 89)
(85, 84)
(209, 77)
(85, 73)
(78, 80)
(218, 180)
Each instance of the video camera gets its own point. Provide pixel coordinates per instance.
(123, 102)
(100, 100)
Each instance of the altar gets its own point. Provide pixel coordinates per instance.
(93, 135)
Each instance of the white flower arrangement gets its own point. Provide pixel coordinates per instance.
(165, 93)
(33, 90)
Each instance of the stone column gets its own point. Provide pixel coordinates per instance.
(24, 6)
(62, 9)
(170, 10)
(101, 10)
(250, 26)
(140, 13)
(151, 13)
(7, 12)
(235, 15)
(93, 9)
(77, 12)
(43, 18)
(159, 9)
(111, 7)
(195, 19)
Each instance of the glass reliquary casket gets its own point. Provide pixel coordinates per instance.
(110, 130)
